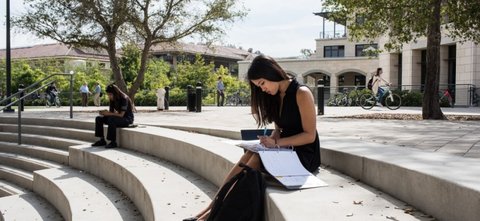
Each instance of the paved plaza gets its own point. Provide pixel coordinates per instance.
(346, 139)
(461, 138)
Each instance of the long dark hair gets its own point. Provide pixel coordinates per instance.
(117, 95)
(378, 71)
(265, 107)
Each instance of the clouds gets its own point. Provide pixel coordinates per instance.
(276, 28)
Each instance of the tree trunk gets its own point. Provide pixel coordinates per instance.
(141, 72)
(115, 66)
(431, 106)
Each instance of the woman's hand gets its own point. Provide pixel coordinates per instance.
(267, 141)
(103, 112)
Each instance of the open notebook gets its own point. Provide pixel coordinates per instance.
(283, 164)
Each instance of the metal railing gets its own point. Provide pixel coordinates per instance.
(35, 88)
(464, 95)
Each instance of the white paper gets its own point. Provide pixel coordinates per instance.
(301, 182)
(287, 168)
(283, 163)
(255, 146)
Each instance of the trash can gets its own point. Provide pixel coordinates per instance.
(198, 100)
(320, 97)
(167, 96)
(191, 98)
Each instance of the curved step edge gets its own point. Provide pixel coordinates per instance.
(44, 153)
(161, 190)
(28, 206)
(16, 176)
(79, 196)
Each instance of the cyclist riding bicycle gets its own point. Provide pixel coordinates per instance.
(51, 93)
(377, 90)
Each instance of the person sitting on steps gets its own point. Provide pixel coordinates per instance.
(280, 99)
(119, 115)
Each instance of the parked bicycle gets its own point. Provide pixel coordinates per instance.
(445, 98)
(236, 99)
(354, 97)
(391, 100)
(340, 99)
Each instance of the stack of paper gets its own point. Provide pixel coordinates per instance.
(288, 170)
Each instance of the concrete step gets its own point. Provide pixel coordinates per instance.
(27, 206)
(19, 177)
(40, 140)
(161, 190)
(52, 122)
(80, 196)
(443, 185)
(45, 153)
(8, 189)
(26, 163)
(61, 132)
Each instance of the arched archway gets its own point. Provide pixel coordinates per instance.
(311, 79)
(351, 78)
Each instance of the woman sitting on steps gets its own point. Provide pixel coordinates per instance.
(277, 98)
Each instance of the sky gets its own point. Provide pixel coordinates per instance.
(275, 28)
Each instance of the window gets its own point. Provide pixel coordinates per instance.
(363, 50)
(334, 51)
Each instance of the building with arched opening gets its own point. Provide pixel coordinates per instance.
(342, 63)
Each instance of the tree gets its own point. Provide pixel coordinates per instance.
(191, 73)
(306, 53)
(404, 21)
(104, 24)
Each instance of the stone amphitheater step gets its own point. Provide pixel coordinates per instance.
(80, 196)
(40, 140)
(17, 176)
(8, 189)
(67, 123)
(28, 206)
(45, 153)
(53, 131)
(26, 163)
(161, 190)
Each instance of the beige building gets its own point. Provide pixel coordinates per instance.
(345, 64)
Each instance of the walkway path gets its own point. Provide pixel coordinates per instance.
(456, 137)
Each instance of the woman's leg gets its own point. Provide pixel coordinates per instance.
(249, 158)
(113, 123)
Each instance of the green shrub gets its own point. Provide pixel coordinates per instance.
(177, 97)
(411, 98)
(146, 98)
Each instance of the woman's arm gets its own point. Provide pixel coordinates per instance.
(306, 107)
(116, 114)
(386, 82)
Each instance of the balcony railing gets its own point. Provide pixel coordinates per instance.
(333, 35)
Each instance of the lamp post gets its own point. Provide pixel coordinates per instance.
(71, 94)
(8, 59)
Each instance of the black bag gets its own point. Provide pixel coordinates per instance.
(101, 94)
(370, 84)
(244, 202)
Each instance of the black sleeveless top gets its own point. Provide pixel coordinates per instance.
(290, 123)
